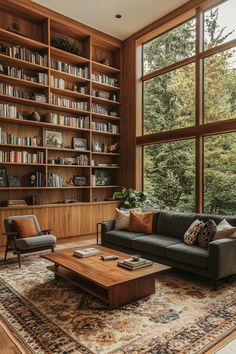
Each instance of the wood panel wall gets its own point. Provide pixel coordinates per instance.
(65, 221)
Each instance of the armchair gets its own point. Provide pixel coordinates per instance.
(42, 241)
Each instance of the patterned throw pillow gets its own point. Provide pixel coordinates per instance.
(141, 221)
(191, 234)
(207, 233)
(224, 229)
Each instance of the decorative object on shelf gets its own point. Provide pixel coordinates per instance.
(79, 144)
(13, 181)
(130, 198)
(80, 181)
(93, 180)
(20, 115)
(75, 88)
(113, 113)
(103, 177)
(32, 200)
(37, 140)
(67, 45)
(105, 61)
(15, 28)
(61, 161)
(113, 97)
(35, 117)
(70, 182)
(112, 148)
(104, 147)
(53, 138)
(3, 177)
(69, 161)
(97, 145)
(32, 177)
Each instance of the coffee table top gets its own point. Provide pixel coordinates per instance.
(103, 273)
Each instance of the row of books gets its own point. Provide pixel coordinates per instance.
(82, 160)
(7, 110)
(16, 92)
(75, 122)
(105, 79)
(54, 180)
(39, 179)
(26, 54)
(68, 103)
(58, 83)
(8, 138)
(41, 78)
(81, 71)
(105, 127)
(22, 157)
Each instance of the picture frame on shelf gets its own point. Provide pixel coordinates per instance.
(97, 145)
(3, 177)
(13, 181)
(53, 138)
(80, 181)
(79, 144)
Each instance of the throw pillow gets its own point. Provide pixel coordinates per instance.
(122, 219)
(207, 233)
(141, 221)
(25, 227)
(224, 229)
(190, 236)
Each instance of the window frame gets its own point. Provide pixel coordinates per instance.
(200, 129)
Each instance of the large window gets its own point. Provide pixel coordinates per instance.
(169, 175)
(189, 90)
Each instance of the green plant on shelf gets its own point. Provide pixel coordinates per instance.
(67, 45)
(130, 198)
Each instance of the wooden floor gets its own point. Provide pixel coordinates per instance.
(10, 345)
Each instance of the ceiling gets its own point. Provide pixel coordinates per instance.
(100, 14)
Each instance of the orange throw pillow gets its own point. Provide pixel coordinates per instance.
(141, 221)
(25, 227)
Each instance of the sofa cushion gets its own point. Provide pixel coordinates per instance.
(217, 218)
(154, 244)
(36, 242)
(141, 221)
(175, 224)
(207, 233)
(122, 238)
(192, 255)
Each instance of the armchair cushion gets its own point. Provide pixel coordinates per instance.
(43, 241)
(25, 227)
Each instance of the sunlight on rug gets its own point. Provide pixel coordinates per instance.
(48, 316)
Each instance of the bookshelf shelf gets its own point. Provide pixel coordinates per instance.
(38, 31)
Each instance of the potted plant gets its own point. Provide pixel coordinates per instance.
(130, 198)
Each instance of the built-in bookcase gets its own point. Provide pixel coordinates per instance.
(52, 103)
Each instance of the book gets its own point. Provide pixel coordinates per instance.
(86, 252)
(131, 262)
(123, 265)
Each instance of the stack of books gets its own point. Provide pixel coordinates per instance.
(16, 202)
(86, 252)
(133, 264)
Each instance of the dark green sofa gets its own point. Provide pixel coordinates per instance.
(166, 244)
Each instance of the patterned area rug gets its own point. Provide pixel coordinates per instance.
(48, 316)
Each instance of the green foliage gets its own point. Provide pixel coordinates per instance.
(66, 44)
(130, 198)
(169, 103)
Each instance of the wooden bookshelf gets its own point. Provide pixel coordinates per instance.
(75, 98)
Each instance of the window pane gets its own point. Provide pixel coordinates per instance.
(220, 174)
(219, 24)
(169, 175)
(220, 86)
(170, 47)
(169, 100)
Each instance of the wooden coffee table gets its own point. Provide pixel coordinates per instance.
(113, 285)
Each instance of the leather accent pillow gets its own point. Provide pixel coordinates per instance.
(207, 233)
(190, 236)
(224, 229)
(25, 227)
(122, 219)
(141, 221)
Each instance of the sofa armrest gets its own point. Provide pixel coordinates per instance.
(222, 258)
(107, 226)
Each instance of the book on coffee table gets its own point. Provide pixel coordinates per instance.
(133, 267)
(86, 252)
(132, 262)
